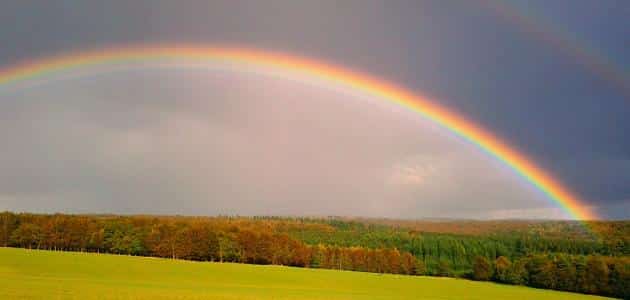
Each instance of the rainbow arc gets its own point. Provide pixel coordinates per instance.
(243, 59)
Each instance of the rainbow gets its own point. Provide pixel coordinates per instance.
(245, 58)
(580, 53)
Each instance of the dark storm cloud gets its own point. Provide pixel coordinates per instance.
(537, 97)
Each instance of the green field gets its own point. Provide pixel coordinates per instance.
(31, 274)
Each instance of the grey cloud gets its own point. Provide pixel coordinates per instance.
(201, 142)
(539, 98)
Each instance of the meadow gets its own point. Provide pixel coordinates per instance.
(36, 274)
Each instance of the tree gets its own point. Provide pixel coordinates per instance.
(619, 278)
(96, 237)
(317, 256)
(228, 248)
(517, 273)
(246, 240)
(392, 257)
(407, 263)
(501, 269)
(161, 240)
(302, 254)
(123, 239)
(482, 270)
(565, 273)
(198, 242)
(444, 268)
(27, 235)
(541, 272)
(263, 248)
(580, 284)
(421, 268)
(371, 263)
(597, 275)
(8, 223)
(281, 251)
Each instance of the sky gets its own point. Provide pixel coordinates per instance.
(549, 78)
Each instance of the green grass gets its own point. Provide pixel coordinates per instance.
(31, 274)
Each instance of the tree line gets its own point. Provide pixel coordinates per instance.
(201, 239)
(586, 265)
(592, 274)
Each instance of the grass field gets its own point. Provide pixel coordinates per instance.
(31, 274)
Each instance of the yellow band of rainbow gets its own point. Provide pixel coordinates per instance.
(245, 57)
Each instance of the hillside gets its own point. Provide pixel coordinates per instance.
(35, 274)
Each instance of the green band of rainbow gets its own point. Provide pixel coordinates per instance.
(246, 58)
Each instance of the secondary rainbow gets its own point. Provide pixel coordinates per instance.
(330, 74)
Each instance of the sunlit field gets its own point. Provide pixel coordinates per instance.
(33, 274)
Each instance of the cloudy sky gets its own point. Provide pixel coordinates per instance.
(549, 78)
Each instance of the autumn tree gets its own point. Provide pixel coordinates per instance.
(27, 235)
(420, 268)
(392, 257)
(197, 242)
(162, 240)
(501, 269)
(8, 223)
(482, 270)
(407, 264)
(540, 271)
(565, 273)
(597, 275)
(517, 273)
(619, 277)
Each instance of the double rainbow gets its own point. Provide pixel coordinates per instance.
(244, 58)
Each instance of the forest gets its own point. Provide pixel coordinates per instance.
(586, 257)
